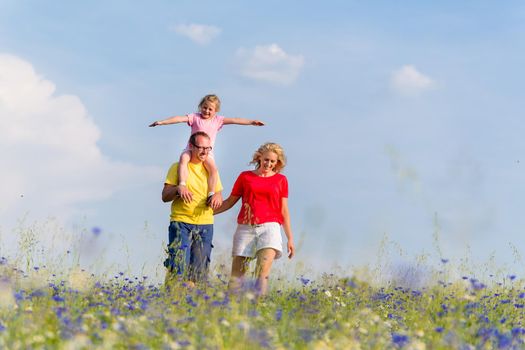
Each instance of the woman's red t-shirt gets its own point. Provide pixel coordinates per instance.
(261, 197)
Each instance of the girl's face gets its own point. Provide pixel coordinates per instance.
(208, 110)
(267, 162)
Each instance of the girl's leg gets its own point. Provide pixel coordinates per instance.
(183, 166)
(213, 174)
(265, 259)
(239, 267)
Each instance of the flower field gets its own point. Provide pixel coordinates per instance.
(40, 308)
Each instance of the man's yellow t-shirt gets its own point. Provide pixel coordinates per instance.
(197, 212)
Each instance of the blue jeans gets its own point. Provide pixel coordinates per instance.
(189, 250)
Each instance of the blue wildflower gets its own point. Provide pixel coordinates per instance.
(517, 331)
(96, 230)
(476, 285)
(306, 334)
(304, 280)
(416, 293)
(278, 314)
(444, 261)
(439, 329)
(37, 293)
(19, 295)
(504, 340)
(261, 336)
(400, 339)
(190, 300)
(58, 298)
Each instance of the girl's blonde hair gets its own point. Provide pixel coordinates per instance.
(213, 99)
(270, 147)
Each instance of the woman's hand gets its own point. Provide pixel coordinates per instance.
(291, 249)
(215, 201)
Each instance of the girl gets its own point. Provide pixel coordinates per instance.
(209, 122)
(264, 193)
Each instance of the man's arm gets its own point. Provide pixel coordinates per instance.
(169, 193)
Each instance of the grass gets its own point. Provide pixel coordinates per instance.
(39, 309)
(407, 306)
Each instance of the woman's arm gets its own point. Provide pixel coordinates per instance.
(227, 204)
(287, 227)
(242, 121)
(172, 120)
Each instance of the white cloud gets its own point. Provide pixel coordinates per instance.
(269, 63)
(199, 33)
(408, 81)
(49, 156)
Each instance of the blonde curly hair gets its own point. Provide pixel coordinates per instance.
(270, 147)
(211, 99)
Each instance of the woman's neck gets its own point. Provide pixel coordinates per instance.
(261, 173)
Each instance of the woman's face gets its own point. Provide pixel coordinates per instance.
(268, 161)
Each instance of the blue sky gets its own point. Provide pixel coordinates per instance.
(399, 120)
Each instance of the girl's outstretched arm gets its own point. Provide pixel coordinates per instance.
(172, 120)
(243, 121)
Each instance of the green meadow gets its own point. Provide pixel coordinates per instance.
(59, 305)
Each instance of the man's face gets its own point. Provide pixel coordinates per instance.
(201, 149)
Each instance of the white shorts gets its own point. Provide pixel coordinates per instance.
(249, 239)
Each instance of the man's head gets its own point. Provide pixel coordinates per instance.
(200, 146)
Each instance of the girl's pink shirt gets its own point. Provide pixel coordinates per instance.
(209, 126)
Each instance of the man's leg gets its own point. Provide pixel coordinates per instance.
(201, 246)
(179, 248)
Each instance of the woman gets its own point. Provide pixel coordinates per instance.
(264, 193)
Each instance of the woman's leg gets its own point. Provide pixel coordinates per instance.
(239, 268)
(265, 258)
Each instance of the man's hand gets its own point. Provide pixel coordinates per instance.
(215, 201)
(185, 194)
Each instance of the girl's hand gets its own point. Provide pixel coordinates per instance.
(215, 201)
(185, 194)
(155, 123)
(291, 249)
(257, 123)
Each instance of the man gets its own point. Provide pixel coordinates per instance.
(191, 220)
